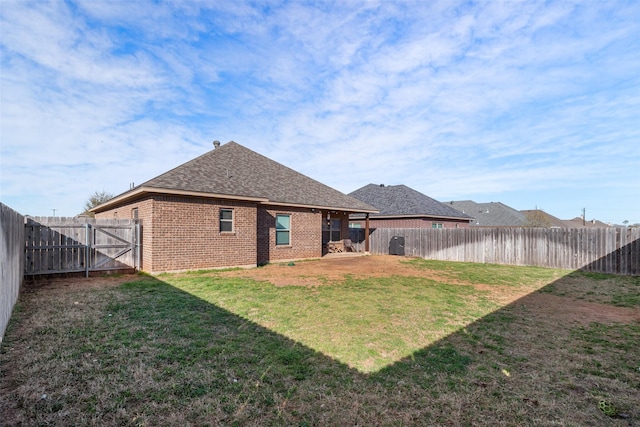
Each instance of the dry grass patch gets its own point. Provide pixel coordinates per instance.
(413, 343)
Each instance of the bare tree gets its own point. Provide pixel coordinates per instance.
(537, 218)
(97, 198)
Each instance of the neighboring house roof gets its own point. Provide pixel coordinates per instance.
(538, 217)
(236, 172)
(402, 201)
(579, 222)
(492, 214)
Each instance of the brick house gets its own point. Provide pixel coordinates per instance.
(402, 207)
(232, 207)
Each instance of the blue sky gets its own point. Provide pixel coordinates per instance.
(533, 104)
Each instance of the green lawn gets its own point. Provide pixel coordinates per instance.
(206, 349)
(365, 324)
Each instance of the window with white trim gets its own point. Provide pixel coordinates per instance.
(436, 225)
(226, 220)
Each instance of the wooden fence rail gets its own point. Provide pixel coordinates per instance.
(605, 250)
(66, 245)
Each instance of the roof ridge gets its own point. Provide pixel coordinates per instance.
(233, 170)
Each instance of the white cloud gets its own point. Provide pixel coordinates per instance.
(453, 99)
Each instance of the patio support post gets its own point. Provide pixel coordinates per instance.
(366, 234)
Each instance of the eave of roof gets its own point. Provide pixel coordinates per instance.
(319, 207)
(142, 191)
(378, 216)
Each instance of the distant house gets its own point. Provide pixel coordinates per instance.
(493, 214)
(232, 207)
(579, 222)
(402, 207)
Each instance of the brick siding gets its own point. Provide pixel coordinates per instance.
(305, 239)
(183, 233)
(186, 234)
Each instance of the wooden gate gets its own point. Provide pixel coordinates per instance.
(70, 245)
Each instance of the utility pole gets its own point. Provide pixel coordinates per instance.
(584, 216)
(54, 212)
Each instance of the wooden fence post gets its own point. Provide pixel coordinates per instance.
(87, 249)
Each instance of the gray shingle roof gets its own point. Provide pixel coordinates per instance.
(492, 214)
(234, 170)
(592, 223)
(400, 200)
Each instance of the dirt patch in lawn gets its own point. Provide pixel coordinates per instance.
(563, 309)
(72, 284)
(332, 270)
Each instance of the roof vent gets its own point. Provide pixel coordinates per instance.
(216, 144)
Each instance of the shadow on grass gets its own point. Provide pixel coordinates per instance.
(152, 354)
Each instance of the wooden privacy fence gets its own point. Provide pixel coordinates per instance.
(11, 261)
(67, 245)
(605, 250)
